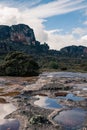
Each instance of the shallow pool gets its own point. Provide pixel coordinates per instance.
(9, 124)
(71, 97)
(6, 109)
(52, 103)
(71, 119)
(46, 102)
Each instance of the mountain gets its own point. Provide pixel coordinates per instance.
(74, 51)
(15, 37)
(22, 38)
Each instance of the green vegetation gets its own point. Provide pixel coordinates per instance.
(21, 38)
(38, 119)
(53, 65)
(19, 64)
(60, 63)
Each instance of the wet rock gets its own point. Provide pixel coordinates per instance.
(60, 94)
(2, 100)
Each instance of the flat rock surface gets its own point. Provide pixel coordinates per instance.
(21, 92)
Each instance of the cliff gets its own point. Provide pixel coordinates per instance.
(14, 36)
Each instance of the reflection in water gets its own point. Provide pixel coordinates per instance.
(9, 124)
(71, 119)
(65, 74)
(71, 97)
(6, 109)
(52, 103)
(74, 98)
(46, 102)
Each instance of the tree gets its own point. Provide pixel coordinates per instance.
(19, 64)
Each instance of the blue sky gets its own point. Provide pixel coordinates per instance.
(60, 23)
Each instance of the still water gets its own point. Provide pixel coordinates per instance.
(65, 74)
(46, 102)
(52, 103)
(71, 119)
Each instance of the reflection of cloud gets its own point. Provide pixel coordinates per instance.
(41, 102)
(6, 109)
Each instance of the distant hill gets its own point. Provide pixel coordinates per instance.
(74, 51)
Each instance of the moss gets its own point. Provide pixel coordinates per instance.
(38, 119)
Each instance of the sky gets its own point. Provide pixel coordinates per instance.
(59, 23)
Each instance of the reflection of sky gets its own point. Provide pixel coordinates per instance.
(6, 109)
(46, 102)
(71, 118)
(73, 97)
(65, 74)
(13, 124)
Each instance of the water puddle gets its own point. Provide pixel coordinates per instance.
(9, 124)
(71, 97)
(46, 102)
(65, 74)
(6, 109)
(71, 119)
(52, 103)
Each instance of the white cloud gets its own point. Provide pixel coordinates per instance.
(54, 31)
(85, 23)
(8, 15)
(84, 38)
(35, 16)
(60, 41)
(20, 3)
(56, 8)
(79, 31)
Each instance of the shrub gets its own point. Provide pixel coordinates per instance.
(53, 65)
(38, 119)
(19, 64)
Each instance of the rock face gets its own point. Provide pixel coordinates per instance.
(22, 33)
(15, 34)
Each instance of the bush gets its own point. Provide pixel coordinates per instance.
(53, 65)
(19, 64)
(38, 119)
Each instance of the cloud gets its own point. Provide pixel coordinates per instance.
(79, 31)
(20, 3)
(56, 8)
(57, 41)
(84, 38)
(34, 14)
(85, 23)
